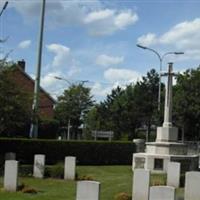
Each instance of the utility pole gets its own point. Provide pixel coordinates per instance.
(3, 40)
(34, 125)
(4, 7)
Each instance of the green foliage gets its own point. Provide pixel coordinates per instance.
(15, 108)
(57, 171)
(48, 128)
(187, 103)
(124, 110)
(87, 153)
(73, 105)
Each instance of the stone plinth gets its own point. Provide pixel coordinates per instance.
(172, 148)
(167, 134)
(159, 162)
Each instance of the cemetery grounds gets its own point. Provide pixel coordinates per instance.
(113, 179)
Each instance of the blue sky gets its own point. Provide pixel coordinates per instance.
(96, 40)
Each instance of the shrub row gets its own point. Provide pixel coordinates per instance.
(86, 152)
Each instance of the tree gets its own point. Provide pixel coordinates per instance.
(187, 103)
(115, 105)
(124, 110)
(15, 111)
(73, 105)
(146, 99)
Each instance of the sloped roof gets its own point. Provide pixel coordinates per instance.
(33, 81)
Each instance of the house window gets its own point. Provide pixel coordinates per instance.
(158, 164)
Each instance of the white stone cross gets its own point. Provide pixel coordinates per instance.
(168, 97)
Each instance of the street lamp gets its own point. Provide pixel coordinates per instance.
(68, 125)
(160, 57)
(34, 125)
(64, 79)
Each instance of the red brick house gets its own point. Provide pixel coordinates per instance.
(26, 83)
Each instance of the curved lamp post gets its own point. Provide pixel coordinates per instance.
(160, 57)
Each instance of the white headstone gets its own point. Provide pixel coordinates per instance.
(88, 190)
(11, 175)
(192, 186)
(173, 174)
(141, 181)
(70, 168)
(39, 166)
(162, 193)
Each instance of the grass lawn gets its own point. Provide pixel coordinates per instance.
(114, 179)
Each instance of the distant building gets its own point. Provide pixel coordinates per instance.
(26, 83)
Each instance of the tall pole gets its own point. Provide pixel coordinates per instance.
(4, 7)
(34, 125)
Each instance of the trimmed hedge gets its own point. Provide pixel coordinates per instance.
(86, 152)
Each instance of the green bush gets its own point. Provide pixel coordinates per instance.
(86, 152)
(48, 128)
(57, 171)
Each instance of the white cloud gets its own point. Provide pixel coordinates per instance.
(54, 86)
(125, 19)
(49, 80)
(62, 65)
(62, 54)
(24, 44)
(92, 15)
(121, 75)
(99, 91)
(107, 21)
(147, 40)
(105, 60)
(98, 15)
(186, 32)
(58, 12)
(184, 36)
(73, 70)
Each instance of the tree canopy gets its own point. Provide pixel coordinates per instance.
(73, 105)
(15, 110)
(187, 103)
(124, 110)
